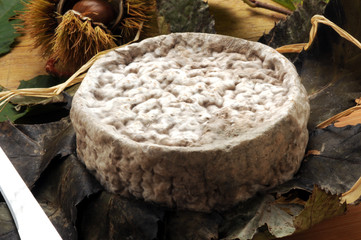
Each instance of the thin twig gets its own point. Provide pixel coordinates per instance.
(255, 4)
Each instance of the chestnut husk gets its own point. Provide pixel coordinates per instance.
(70, 39)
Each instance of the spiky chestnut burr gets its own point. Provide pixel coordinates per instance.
(70, 32)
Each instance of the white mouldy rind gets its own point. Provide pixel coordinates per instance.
(191, 120)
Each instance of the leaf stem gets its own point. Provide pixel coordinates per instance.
(255, 4)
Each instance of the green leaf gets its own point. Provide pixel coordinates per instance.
(38, 109)
(41, 81)
(287, 4)
(7, 31)
(9, 113)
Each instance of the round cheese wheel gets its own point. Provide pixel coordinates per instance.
(191, 120)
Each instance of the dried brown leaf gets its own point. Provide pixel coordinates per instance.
(321, 206)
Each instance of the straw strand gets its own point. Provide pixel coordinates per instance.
(77, 77)
(315, 20)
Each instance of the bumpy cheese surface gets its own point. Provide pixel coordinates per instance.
(182, 94)
(175, 106)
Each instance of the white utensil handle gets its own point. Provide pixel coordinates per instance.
(30, 219)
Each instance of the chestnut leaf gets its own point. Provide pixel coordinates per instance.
(7, 31)
(290, 4)
(22, 109)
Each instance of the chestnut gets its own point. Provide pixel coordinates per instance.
(98, 10)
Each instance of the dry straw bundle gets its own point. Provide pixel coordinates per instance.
(315, 20)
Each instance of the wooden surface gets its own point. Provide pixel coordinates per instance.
(22, 63)
(233, 18)
(345, 227)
